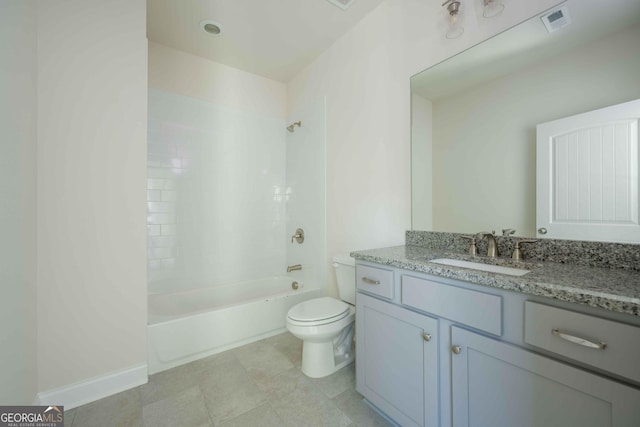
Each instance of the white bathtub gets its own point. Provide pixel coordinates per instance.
(189, 325)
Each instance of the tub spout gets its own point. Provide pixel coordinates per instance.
(294, 267)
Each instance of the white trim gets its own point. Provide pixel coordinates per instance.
(74, 395)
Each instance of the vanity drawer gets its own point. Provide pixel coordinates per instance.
(605, 344)
(377, 281)
(476, 309)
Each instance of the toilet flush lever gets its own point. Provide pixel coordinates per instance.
(298, 236)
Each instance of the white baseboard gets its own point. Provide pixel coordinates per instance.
(87, 391)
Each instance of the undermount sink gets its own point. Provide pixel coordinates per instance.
(510, 271)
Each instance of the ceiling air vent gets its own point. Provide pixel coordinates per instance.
(556, 19)
(342, 4)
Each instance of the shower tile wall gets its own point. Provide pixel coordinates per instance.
(216, 180)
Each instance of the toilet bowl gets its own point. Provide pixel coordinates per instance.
(326, 325)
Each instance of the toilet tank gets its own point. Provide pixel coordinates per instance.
(345, 267)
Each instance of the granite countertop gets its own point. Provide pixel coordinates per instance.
(611, 289)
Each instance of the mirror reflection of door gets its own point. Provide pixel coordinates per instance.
(587, 175)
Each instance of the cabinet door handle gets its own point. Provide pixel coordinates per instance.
(370, 281)
(578, 340)
(426, 337)
(456, 349)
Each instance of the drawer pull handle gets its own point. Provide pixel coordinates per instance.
(370, 281)
(426, 337)
(580, 341)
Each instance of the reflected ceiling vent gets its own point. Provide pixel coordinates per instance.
(556, 19)
(342, 4)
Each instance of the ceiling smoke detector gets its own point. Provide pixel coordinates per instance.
(342, 4)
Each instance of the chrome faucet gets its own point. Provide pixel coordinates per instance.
(294, 267)
(492, 246)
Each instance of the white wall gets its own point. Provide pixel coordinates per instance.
(421, 164)
(216, 180)
(365, 78)
(92, 85)
(18, 107)
(181, 73)
(484, 158)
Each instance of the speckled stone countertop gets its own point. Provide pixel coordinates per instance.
(608, 288)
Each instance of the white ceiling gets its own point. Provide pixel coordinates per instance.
(272, 38)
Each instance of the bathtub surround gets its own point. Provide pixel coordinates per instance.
(240, 183)
(215, 193)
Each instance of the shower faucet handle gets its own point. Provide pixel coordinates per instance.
(298, 236)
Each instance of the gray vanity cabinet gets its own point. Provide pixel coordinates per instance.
(500, 385)
(434, 351)
(397, 361)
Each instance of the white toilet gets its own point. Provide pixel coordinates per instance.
(326, 325)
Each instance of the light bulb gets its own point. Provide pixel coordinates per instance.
(455, 27)
(455, 19)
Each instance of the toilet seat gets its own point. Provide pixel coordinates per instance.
(319, 311)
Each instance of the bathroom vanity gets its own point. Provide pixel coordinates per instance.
(442, 345)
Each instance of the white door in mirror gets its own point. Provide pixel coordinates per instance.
(587, 175)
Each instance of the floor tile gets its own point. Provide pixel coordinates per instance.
(229, 392)
(308, 406)
(278, 386)
(262, 416)
(69, 414)
(337, 382)
(184, 409)
(262, 360)
(288, 345)
(122, 409)
(169, 383)
(350, 402)
(258, 384)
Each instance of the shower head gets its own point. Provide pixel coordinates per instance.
(293, 125)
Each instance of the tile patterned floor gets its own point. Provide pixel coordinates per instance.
(259, 384)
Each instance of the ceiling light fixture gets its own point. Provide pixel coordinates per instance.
(211, 27)
(455, 19)
(492, 8)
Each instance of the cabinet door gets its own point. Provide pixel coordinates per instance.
(496, 384)
(397, 361)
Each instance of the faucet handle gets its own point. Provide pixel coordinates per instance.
(517, 253)
(473, 249)
(508, 231)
